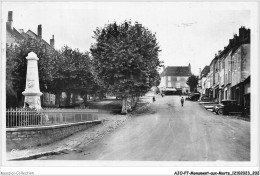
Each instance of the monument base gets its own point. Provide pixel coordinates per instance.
(33, 100)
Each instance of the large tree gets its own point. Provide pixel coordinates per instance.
(192, 82)
(125, 59)
(74, 74)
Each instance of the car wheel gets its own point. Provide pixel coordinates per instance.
(220, 111)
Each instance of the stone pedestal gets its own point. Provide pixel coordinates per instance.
(32, 90)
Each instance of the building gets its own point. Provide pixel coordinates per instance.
(174, 78)
(202, 78)
(229, 75)
(13, 36)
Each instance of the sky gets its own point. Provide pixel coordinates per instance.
(187, 32)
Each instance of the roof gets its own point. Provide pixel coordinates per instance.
(32, 34)
(35, 36)
(14, 32)
(176, 71)
(205, 71)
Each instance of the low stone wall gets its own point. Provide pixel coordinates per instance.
(27, 137)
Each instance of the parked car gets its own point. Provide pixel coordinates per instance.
(193, 96)
(228, 106)
(205, 98)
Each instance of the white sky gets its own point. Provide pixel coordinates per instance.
(186, 32)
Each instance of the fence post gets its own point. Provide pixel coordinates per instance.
(16, 117)
(6, 117)
(41, 113)
(55, 120)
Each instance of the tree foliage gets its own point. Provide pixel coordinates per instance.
(192, 82)
(74, 73)
(16, 65)
(125, 58)
(66, 70)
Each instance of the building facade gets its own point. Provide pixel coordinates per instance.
(229, 75)
(174, 78)
(202, 86)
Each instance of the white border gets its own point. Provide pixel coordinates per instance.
(163, 167)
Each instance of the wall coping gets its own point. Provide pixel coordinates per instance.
(34, 128)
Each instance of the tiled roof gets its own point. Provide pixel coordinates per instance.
(14, 32)
(176, 71)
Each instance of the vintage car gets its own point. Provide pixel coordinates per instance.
(193, 96)
(205, 98)
(227, 107)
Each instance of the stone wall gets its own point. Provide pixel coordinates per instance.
(27, 137)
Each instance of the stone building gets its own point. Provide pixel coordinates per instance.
(174, 78)
(202, 79)
(230, 71)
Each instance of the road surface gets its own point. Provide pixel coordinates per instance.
(170, 132)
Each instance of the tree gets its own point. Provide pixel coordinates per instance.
(73, 74)
(192, 82)
(125, 59)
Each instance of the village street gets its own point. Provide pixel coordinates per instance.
(169, 132)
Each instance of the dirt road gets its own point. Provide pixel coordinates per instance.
(169, 132)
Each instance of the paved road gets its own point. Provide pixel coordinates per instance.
(169, 132)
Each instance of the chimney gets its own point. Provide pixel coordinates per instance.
(52, 41)
(236, 40)
(231, 43)
(244, 35)
(21, 31)
(40, 31)
(10, 19)
(242, 32)
(189, 68)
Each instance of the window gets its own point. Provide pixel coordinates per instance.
(178, 78)
(169, 78)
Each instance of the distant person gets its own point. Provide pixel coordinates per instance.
(182, 101)
(153, 99)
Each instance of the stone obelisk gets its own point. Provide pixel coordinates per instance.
(32, 90)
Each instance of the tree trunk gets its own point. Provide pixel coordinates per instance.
(73, 98)
(132, 101)
(68, 94)
(85, 98)
(135, 100)
(129, 106)
(57, 99)
(124, 105)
